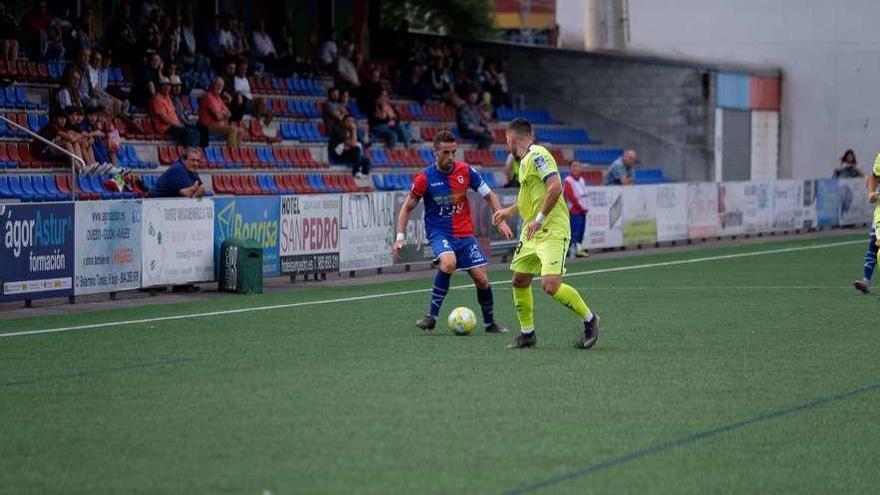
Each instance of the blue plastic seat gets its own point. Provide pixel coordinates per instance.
(15, 188)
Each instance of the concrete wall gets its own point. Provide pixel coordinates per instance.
(829, 52)
(660, 108)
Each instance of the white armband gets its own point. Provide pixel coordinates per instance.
(484, 189)
(540, 218)
(401, 236)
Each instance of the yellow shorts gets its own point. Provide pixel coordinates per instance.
(544, 256)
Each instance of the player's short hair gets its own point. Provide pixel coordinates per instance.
(520, 126)
(443, 137)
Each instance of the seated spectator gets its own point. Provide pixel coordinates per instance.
(79, 130)
(165, 119)
(333, 111)
(9, 34)
(470, 124)
(33, 25)
(264, 48)
(120, 33)
(188, 53)
(54, 131)
(496, 83)
(385, 123)
(53, 48)
(179, 110)
(328, 56)
(68, 95)
(212, 40)
(369, 90)
(214, 115)
(147, 81)
(243, 100)
(346, 73)
(412, 85)
(438, 80)
(181, 178)
(94, 126)
(848, 166)
(620, 173)
(346, 146)
(231, 44)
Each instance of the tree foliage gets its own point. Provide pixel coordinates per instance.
(468, 19)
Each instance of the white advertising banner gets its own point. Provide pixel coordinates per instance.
(703, 210)
(854, 206)
(639, 215)
(178, 241)
(309, 234)
(605, 218)
(108, 246)
(366, 231)
(794, 204)
(672, 213)
(745, 207)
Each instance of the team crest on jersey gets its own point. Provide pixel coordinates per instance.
(541, 164)
(460, 179)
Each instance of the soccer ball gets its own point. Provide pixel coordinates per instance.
(462, 321)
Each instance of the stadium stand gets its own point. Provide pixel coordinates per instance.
(288, 156)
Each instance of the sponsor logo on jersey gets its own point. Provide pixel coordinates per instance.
(541, 164)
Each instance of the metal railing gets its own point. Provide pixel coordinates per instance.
(73, 158)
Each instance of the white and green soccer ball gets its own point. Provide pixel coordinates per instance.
(462, 321)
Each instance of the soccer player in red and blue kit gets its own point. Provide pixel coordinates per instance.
(450, 230)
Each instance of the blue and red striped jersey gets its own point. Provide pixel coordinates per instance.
(446, 205)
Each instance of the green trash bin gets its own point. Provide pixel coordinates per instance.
(241, 266)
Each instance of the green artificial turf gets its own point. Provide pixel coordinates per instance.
(702, 382)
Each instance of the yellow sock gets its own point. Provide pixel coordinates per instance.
(568, 296)
(522, 299)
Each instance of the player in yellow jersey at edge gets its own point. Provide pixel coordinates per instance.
(545, 237)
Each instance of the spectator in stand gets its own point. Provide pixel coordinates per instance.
(328, 55)
(848, 166)
(93, 127)
(470, 124)
(82, 140)
(53, 49)
(9, 35)
(575, 192)
(620, 173)
(68, 94)
(121, 35)
(413, 85)
(333, 111)
(212, 40)
(62, 21)
(86, 84)
(496, 79)
(347, 147)
(181, 178)
(147, 80)
(243, 100)
(264, 48)
(230, 43)
(99, 79)
(188, 48)
(33, 27)
(385, 124)
(165, 119)
(171, 38)
(55, 131)
(346, 73)
(214, 115)
(369, 91)
(84, 34)
(438, 79)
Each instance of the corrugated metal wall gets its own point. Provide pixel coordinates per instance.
(736, 152)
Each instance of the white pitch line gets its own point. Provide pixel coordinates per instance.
(711, 287)
(416, 291)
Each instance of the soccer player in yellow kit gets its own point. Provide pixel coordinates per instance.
(545, 237)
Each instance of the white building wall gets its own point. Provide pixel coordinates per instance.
(829, 51)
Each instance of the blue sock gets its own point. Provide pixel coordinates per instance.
(438, 292)
(871, 258)
(484, 296)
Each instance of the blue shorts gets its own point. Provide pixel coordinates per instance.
(467, 251)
